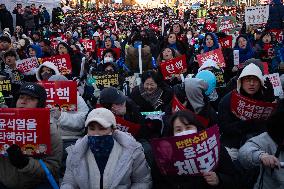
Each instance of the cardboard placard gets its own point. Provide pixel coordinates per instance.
(5, 87)
(227, 24)
(100, 52)
(61, 94)
(226, 42)
(215, 55)
(62, 62)
(24, 127)
(247, 109)
(189, 154)
(173, 66)
(256, 15)
(127, 126)
(89, 44)
(275, 80)
(27, 65)
(106, 79)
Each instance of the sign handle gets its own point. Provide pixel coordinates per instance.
(49, 175)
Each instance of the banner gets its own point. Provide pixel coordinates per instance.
(127, 126)
(227, 24)
(61, 94)
(177, 106)
(89, 44)
(191, 154)
(215, 55)
(27, 65)
(5, 87)
(100, 52)
(63, 63)
(247, 109)
(256, 15)
(173, 66)
(106, 79)
(226, 42)
(278, 34)
(275, 80)
(24, 127)
(219, 77)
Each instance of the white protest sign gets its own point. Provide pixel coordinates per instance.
(256, 15)
(236, 57)
(275, 80)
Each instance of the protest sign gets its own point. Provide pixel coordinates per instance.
(275, 80)
(256, 15)
(210, 25)
(191, 154)
(226, 24)
(5, 87)
(177, 106)
(173, 66)
(25, 66)
(24, 127)
(219, 74)
(215, 55)
(106, 79)
(89, 44)
(226, 42)
(236, 57)
(127, 126)
(100, 52)
(62, 62)
(247, 108)
(278, 34)
(61, 94)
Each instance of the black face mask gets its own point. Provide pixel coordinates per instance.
(46, 75)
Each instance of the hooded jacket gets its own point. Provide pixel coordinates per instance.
(215, 43)
(246, 53)
(37, 49)
(276, 15)
(48, 65)
(126, 166)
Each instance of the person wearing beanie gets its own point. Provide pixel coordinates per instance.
(267, 152)
(19, 171)
(236, 131)
(106, 157)
(46, 70)
(224, 176)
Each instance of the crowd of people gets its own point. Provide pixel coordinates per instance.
(87, 148)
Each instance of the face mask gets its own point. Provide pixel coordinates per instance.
(101, 146)
(187, 132)
(108, 59)
(46, 75)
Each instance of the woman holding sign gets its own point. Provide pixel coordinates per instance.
(184, 123)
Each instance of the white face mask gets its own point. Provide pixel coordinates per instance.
(186, 132)
(108, 59)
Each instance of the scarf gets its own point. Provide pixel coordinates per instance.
(153, 98)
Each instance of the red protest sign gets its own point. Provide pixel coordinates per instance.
(173, 66)
(61, 94)
(189, 154)
(24, 127)
(278, 34)
(215, 55)
(177, 106)
(88, 44)
(226, 42)
(27, 65)
(212, 27)
(62, 62)
(100, 52)
(127, 126)
(154, 27)
(247, 109)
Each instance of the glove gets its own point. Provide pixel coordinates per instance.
(16, 157)
(268, 92)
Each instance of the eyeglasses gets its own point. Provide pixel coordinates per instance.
(250, 79)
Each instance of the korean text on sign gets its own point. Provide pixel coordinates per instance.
(247, 109)
(173, 66)
(62, 62)
(256, 15)
(188, 155)
(27, 65)
(106, 79)
(5, 86)
(23, 127)
(215, 55)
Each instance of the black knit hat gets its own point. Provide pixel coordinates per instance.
(34, 90)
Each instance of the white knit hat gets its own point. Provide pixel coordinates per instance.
(253, 70)
(102, 116)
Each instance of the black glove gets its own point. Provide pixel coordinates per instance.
(16, 157)
(268, 92)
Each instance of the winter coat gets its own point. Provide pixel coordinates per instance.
(126, 166)
(49, 65)
(249, 157)
(33, 174)
(19, 17)
(6, 20)
(72, 124)
(225, 171)
(235, 131)
(29, 20)
(276, 17)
